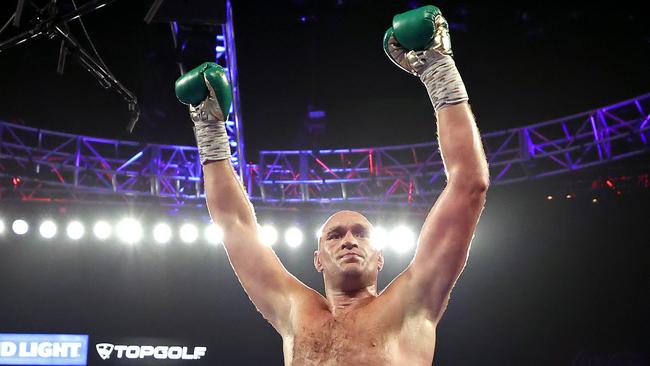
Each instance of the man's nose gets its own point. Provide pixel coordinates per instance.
(349, 241)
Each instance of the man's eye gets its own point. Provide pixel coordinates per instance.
(333, 236)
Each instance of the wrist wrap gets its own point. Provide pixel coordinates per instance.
(212, 140)
(440, 76)
(210, 129)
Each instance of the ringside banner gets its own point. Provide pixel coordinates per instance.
(43, 349)
(159, 352)
(107, 351)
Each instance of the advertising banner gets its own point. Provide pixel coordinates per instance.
(43, 349)
(108, 351)
(85, 350)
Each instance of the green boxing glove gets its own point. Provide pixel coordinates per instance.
(416, 35)
(418, 28)
(207, 81)
(419, 43)
(207, 92)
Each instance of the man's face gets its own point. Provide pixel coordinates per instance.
(345, 247)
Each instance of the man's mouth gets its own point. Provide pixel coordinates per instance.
(350, 255)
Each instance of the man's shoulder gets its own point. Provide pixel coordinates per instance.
(309, 299)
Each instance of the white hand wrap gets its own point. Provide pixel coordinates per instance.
(210, 129)
(440, 76)
(212, 140)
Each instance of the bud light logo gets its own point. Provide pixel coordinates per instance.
(43, 349)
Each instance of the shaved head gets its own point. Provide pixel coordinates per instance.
(339, 217)
(346, 256)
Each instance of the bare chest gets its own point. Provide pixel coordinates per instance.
(354, 338)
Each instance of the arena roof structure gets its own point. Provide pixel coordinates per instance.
(54, 166)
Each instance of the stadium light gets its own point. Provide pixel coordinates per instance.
(162, 233)
(129, 230)
(213, 234)
(47, 229)
(20, 227)
(102, 230)
(401, 239)
(2, 226)
(75, 230)
(189, 233)
(268, 235)
(379, 237)
(293, 236)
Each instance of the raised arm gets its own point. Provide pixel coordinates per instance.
(268, 284)
(445, 239)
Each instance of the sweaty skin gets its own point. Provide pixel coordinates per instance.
(353, 324)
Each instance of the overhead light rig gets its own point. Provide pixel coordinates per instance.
(49, 22)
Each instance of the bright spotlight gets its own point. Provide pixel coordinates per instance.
(75, 230)
(293, 237)
(213, 234)
(20, 227)
(47, 229)
(379, 237)
(2, 226)
(162, 233)
(129, 230)
(401, 239)
(189, 233)
(268, 235)
(102, 230)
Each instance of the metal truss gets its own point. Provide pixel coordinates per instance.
(56, 25)
(46, 165)
(413, 175)
(225, 55)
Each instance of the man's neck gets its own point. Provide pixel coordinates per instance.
(342, 302)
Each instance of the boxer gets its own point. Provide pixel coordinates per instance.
(354, 323)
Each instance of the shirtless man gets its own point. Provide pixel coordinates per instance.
(353, 324)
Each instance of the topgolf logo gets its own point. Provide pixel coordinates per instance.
(105, 352)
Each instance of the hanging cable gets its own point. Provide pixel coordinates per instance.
(7, 23)
(92, 45)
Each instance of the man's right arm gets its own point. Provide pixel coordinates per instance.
(268, 284)
(205, 89)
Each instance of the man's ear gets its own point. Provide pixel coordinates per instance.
(380, 260)
(317, 264)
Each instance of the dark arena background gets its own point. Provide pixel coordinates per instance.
(103, 231)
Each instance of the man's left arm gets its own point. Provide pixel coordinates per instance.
(445, 238)
(424, 287)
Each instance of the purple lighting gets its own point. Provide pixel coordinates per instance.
(596, 136)
(402, 175)
(413, 4)
(316, 114)
(304, 19)
(529, 142)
